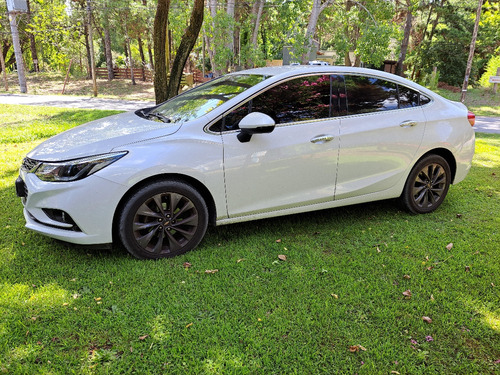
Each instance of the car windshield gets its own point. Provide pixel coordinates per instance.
(205, 98)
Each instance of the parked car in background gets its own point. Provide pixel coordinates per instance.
(249, 145)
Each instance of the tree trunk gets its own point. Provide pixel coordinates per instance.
(143, 59)
(185, 47)
(107, 51)
(34, 55)
(471, 51)
(160, 40)
(316, 10)
(150, 54)
(405, 42)
(212, 5)
(230, 33)
(87, 48)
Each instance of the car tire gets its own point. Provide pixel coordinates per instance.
(163, 219)
(427, 185)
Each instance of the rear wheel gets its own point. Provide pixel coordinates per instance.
(427, 185)
(164, 219)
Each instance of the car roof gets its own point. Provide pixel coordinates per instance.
(285, 71)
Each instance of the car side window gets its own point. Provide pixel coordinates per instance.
(423, 99)
(300, 99)
(370, 94)
(408, 97)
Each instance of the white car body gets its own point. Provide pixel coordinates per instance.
(298, 167)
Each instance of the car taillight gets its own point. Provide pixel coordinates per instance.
(472, 118)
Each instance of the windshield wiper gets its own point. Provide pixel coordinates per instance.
(159, 116)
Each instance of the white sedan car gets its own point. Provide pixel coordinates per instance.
(254, 144)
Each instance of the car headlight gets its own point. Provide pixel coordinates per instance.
(76, 169)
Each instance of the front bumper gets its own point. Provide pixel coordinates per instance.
(79, 212)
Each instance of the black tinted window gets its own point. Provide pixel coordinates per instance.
(301, 99)
(370, 94)
(407, 97)
(424, 99)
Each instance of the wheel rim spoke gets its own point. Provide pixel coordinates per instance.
(144, 210)
(142, 226)
(146, 239)
(165, 223)
(174, 201)
(429, 185)
(187, 206)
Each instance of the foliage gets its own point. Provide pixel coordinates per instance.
(364, 31)
(364, 289)
(491, 70)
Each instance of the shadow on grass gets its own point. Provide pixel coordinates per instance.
(258, 314)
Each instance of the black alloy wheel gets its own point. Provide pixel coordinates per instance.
(427, 185)
(164, 219)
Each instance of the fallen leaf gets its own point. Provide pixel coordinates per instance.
(449, 246)
(427, 319)
(98, 299)
(362, 348)
(407, 293)
(493, 285)
(65, 304)
(211, 271)
(395, 372)
(353, 348)
(282, 257)
(186, 265)
(240, 260)
(335, 296)
(432, 297)
(378, 250)
(407, 277)
(429, 268)
(189, 325)
(143, 337)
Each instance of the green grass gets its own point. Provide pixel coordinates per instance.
(67, 309)
(483, 102)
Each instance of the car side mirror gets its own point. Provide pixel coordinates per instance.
(255, 123)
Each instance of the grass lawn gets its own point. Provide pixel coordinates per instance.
(352, 297)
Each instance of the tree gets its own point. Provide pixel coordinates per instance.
(159, 41)
(185, 47)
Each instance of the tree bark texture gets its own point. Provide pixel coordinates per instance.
(107, 51)
(405, 41)
(159, 42)
(34, 54)
(185, 47)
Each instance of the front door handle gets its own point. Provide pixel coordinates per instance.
(408, 124)
(323, 138)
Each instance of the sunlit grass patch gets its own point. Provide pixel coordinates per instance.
(343, 290)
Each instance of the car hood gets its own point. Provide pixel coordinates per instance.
(101, 136)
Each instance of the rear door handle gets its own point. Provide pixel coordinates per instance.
(408, 124)
(323, 138)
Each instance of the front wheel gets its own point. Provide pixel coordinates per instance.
(427, 185)
(163, 219)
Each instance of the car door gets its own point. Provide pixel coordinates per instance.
(380, 134)
(295, 164)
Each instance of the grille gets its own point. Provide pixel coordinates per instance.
(29, 165)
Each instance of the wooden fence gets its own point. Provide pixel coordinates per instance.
(122, 73)
(188, 79)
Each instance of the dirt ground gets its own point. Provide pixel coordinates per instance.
(53, 84)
